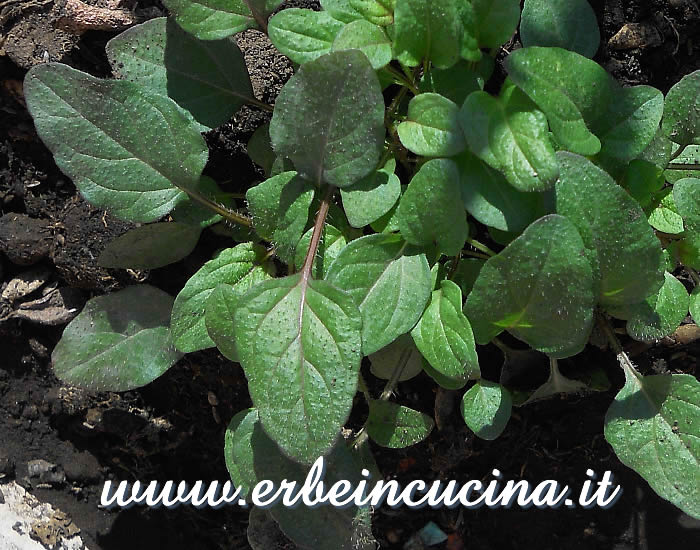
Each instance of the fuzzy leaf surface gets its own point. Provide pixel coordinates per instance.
(120, 341)
(373, 196)
(496, 21)
(384, 361)
(299, 342)
(682, 111)
(396, 427)
(539, 288)
(123, 146)
(316, 123)
(303, 35)
(389, 282)
(569, 24)
(686, 195)
(366, 37)
(486, 409)
(432, 128)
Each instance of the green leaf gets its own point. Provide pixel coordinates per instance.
(379, 12)
(654, 428)
(280, 210)
(467, 273)
(370, 39)
(643, 180)
(460, 80)
(491, 200)
(315, 123)
(682, 111)
(687, 250)
(299, 342)
(239, 267)
(389, 282)
(486, 408)
(123, 146)
(342, 10)
(539, 288)
(251, 457)
(332, 243)
(660, 314)
(470, 50)
(621, 246)
(431, 211)
(569, 24)
(150, 246)
(695, 304)
(664, 217)
(260, 149)
(444, 336)
(511, 135)
(496, 21)
(430, 30)
(432, 128)
(630, 123)
(161, 56)
(686, 194)
(690, 155)
(218, 318)
(303, 35)
(570, 89)
(401, 351)
(373, 196)
(658, 152)
(393, 426)
(120, 341)
(193, 213)
(211, 19)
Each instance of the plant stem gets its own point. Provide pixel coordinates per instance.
(395, 375)
(224, 212)
(677, 154)
(622, 357)
(363, 388)
(317, 232)
(475, 254)
(259, 18)
(402, 80)
(482, 247)
(681, 166)
(261, 105)
(454, 265)
(693, 275)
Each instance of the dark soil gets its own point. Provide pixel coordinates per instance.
(173, 428)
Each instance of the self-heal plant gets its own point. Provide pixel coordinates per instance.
(406, 216)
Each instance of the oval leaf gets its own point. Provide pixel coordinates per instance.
(123, 146)
(386, 360)
(315, 123)
(486, 408)
(211, 19)
(370, 39)
(391, 425)
(120, 341)
(373, 196)
(496, 21)
(379, 12)
(682, 111)
(686, 196)
(660, 314)
(303, 35)
(539, 288)
(299, 343)
(444, 336)
(432, 128)
(389, 282)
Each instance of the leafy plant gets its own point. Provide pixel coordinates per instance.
(406, 215)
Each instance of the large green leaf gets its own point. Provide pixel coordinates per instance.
(342, 10)
(123, 146)
(214, 19)
(373, 196)
(489, 197)
(389, 282)
(569, 24)
(303, 35)
(424, 29)
(368, 38)
(496, 21)
(332, 242)
(120, 341)
(660, 314)
(654, 427)
(571, 90)
(150, 246)
(682, 111)
(299, 342)
(511, 135)
(444, 336)
(486, 409)
(316, 123)
(379, 12)
(239, 267)
(625, 254)
(251, 457)
(460, 80)
(393, 426)
(161, 56)
(539, 288)
(431, 211)
(686, 195)
(432, 128)
(280, 210)
(630, 123)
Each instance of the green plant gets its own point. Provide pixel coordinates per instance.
(542, 211)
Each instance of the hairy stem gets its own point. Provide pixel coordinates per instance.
(224, 212)
(317, 232)
(622, 357)
(481, 247)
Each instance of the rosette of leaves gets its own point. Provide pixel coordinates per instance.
(406, 214)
